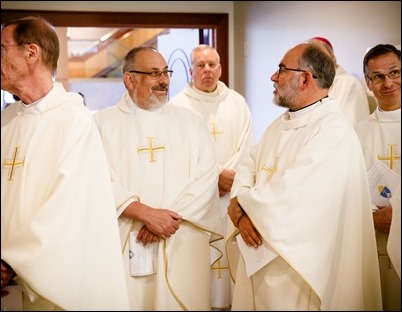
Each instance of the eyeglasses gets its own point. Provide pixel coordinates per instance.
(378, 78)
(156, 74)
(282, 69)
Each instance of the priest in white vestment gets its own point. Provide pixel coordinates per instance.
(300, 202)
(380, 138)
(165, 173)
(59, 233)
(228, 118)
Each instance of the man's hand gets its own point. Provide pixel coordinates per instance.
(225, 182)
(145, 236)
(382, 219)
(160, 222)
(235, 212)
(241, 220)
(248, 232)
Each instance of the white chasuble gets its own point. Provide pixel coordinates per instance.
(304, 187)
(166, 158)
(351, 95)
(58, 226)
(380, 138)
(228, 118)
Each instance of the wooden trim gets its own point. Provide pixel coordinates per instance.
(216, 21)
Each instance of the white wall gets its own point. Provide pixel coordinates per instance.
(267, 29)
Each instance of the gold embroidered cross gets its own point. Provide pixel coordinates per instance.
(219, 267)
(214, 132)
(271, 171)
(13, 162)
(151, 149)
(391, 156)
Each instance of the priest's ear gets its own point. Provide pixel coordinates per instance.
(32, 52)
(129, 80)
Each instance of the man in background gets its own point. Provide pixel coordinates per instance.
(228, 118)
(380, 137)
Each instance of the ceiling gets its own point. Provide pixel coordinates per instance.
(95, 52)
(83, 40)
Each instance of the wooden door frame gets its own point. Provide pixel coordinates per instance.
(218, 22)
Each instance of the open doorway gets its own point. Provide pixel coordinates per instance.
(217, 22)
(214, 24)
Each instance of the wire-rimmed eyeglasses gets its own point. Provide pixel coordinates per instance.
(378, 78)
(283, 69)
(156, 74)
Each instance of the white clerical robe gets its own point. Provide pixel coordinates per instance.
(228, 118)
(351, 95)
(58, 219)
(166, 158)
(380, 138)
(304, 187)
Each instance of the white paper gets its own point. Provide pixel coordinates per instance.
(143, 259)
(383, 181)
(255, 258)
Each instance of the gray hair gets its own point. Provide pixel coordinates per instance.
(129, 59)
(319, 63)
(38, 31)
(202, 47)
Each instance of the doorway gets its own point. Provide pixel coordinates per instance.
(215, 24)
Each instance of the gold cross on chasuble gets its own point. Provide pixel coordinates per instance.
(217, 266)
(151, 149)
(12, 163)
(271, 171)
(214, 132)
(391, 156)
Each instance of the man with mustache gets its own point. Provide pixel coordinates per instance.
(301, 196)
(164, 175)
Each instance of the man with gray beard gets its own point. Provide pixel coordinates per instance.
(301, 202)
(164, 176)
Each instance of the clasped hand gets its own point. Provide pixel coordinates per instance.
(158, 224)
(241, 220)
(382, 219)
